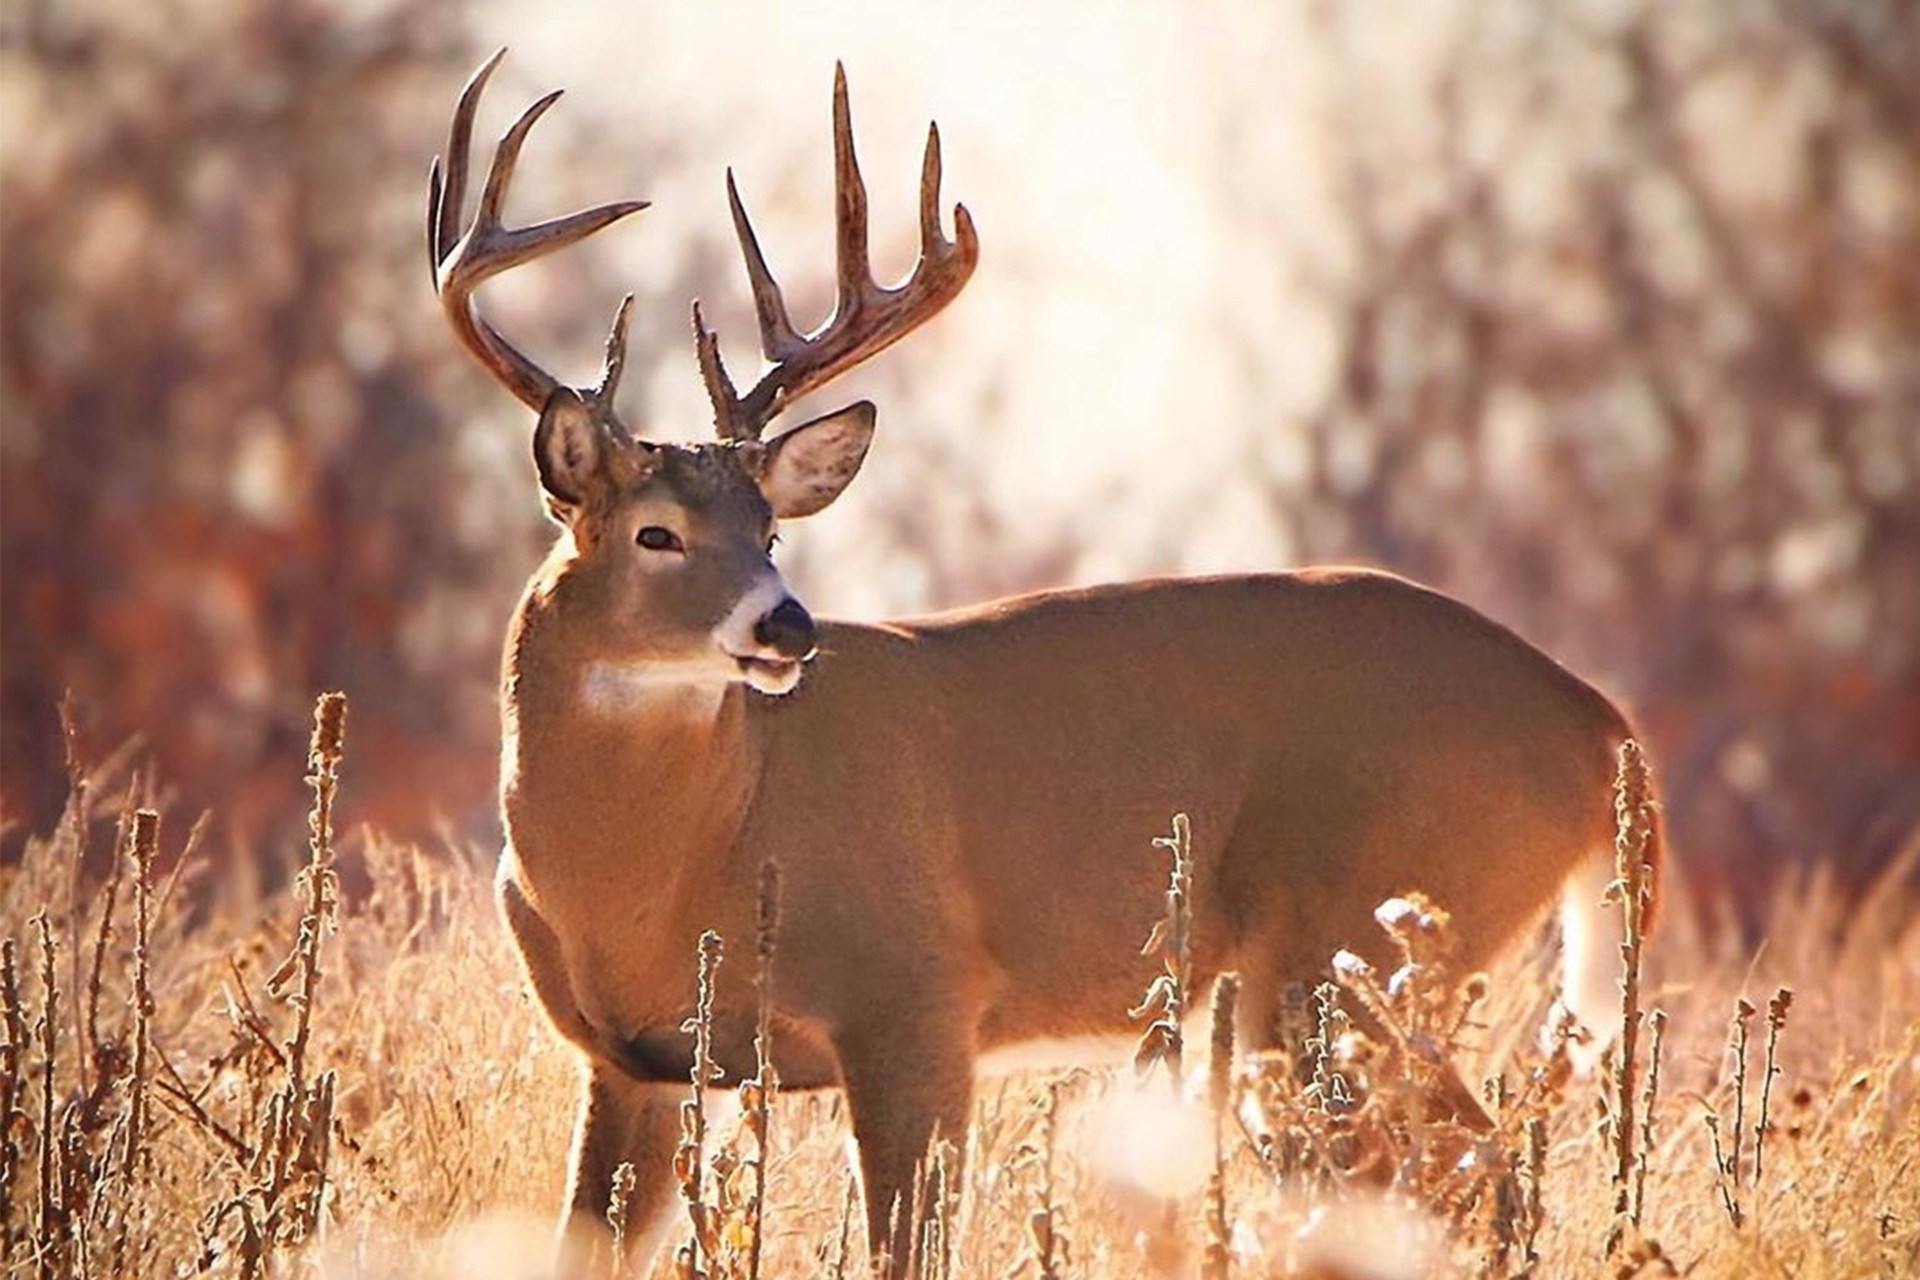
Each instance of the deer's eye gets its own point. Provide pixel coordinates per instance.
(660, 538)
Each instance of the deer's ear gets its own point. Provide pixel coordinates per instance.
(805, 469)
(570, 448)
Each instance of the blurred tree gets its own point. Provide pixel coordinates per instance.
(1623, 334)
(1627, 344)
(237, 466)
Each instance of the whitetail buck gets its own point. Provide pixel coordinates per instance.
(961, 804)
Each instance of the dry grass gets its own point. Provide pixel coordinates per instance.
(355, 1085)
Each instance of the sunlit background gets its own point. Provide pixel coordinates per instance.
(1604, 317)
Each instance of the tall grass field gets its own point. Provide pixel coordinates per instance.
(344, 1076)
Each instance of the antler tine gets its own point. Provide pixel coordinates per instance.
(443, 226)
(931, 233)
(463, 262)
(867, 318)
(506, 157)
(713, 372)
(614, 363)
(849, 206)
(933, 239)
(436, 195)
(777, 338)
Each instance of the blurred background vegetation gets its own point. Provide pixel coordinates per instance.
(1604, 317)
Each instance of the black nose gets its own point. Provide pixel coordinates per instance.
(788, 629)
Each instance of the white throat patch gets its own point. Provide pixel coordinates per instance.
(625, 688)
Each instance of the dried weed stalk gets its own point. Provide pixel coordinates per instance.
(1216, 1257)
(936, 1215)
(50, 1227)
(1046, 1221)
(703, 1244)
(1777, 1009)
(1358, 1110)
(619, 1204)
(1632, 890)
(837, 1270)
(13, 1071)
(103, 1050)
(1649, 1101)
(144, 846)
(1165, 1004)
(1731, 1167)
(757, 1094)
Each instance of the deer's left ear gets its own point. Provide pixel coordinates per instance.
(805, 469)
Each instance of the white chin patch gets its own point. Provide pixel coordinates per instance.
(770, 675)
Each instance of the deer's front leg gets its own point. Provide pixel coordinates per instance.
(621, 1122)
(545, 964)
(908, 1079)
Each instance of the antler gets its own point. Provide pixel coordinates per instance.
(461, 262)
(867, 318)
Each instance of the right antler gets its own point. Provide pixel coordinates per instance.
(461, 262)
(866, 318)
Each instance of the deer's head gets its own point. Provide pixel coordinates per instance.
(670, 546)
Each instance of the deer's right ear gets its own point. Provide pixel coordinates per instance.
(569, 447)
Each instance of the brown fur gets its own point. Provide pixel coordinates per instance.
(961, 807)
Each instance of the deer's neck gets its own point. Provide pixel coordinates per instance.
(612, 768)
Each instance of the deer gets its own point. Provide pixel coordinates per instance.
(958, 804)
